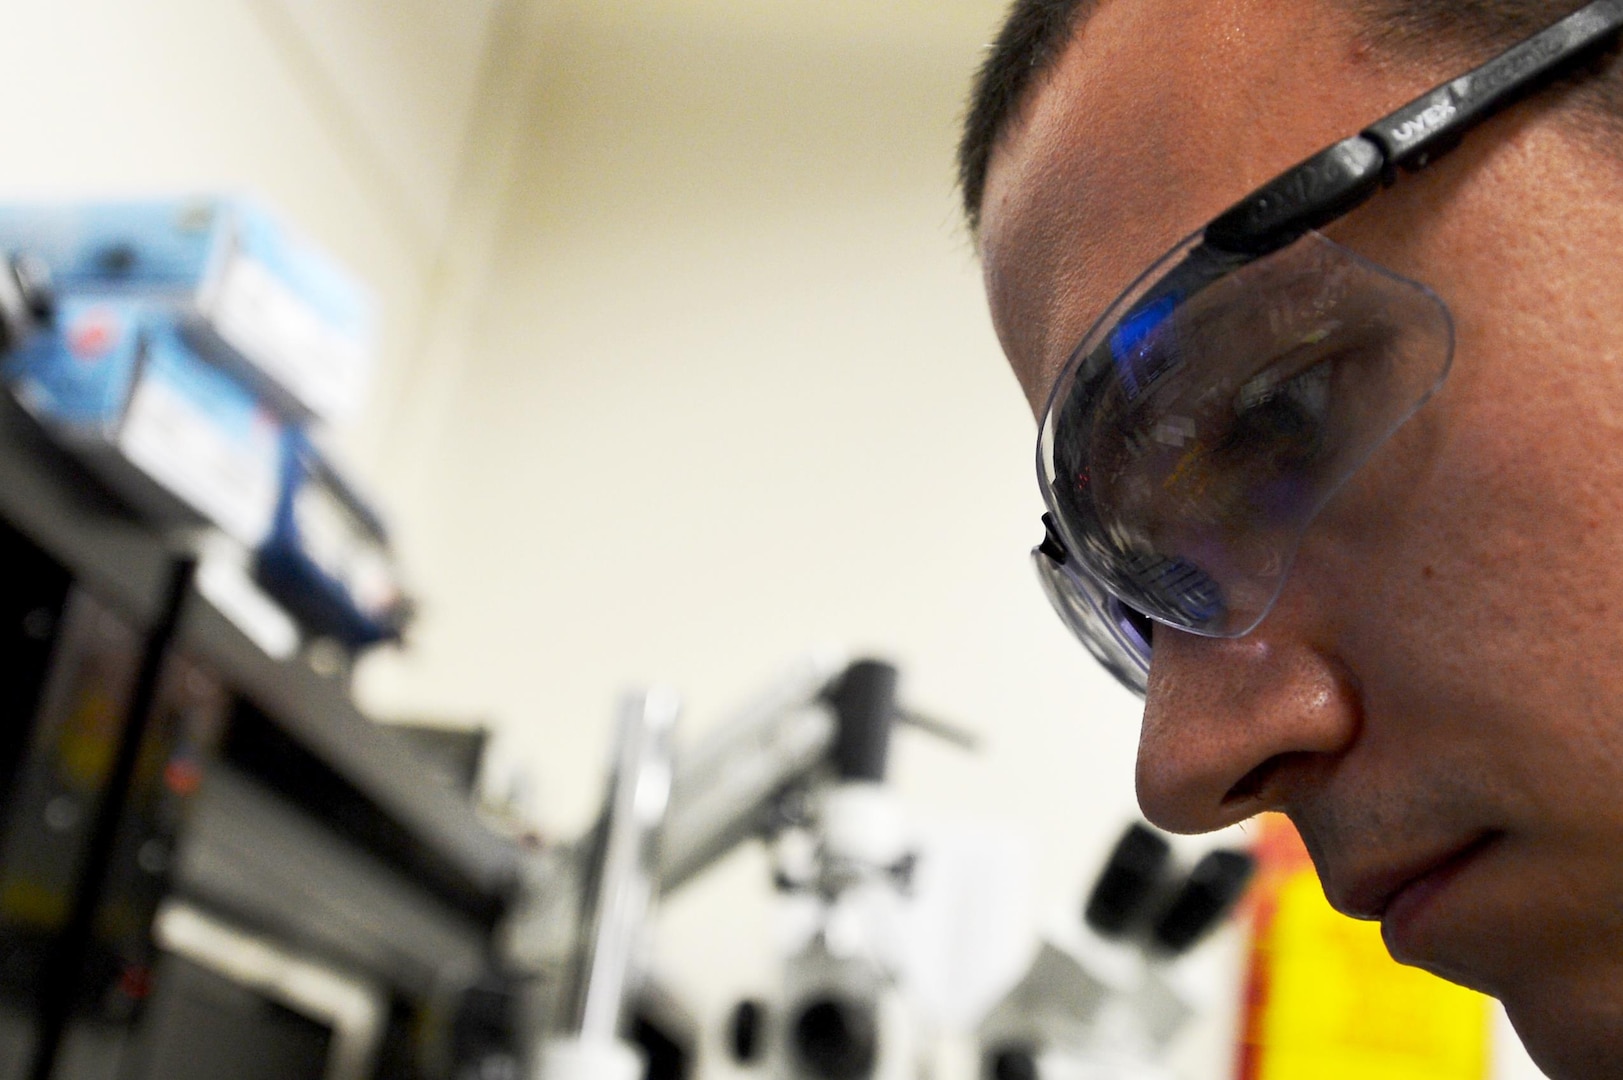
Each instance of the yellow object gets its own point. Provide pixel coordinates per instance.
(1326, 1002)
(89, 740)
(32, 905)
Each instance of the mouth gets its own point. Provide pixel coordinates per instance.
(1397, 897)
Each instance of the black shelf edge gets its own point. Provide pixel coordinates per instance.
(318, 716)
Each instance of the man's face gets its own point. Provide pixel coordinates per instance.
(1437, 698)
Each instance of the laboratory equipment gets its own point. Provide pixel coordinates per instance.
(1106, 1001)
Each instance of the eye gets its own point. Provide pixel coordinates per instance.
(1283, 420)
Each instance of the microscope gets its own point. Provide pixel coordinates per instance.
(847, 855)
(801, 766)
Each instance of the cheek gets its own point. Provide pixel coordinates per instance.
(1529, 485)
(1529, 534)
(1469, 578)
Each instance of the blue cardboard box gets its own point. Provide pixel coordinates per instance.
(249, 294)
(119, 384)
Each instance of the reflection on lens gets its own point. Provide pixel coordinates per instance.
(1175, 588)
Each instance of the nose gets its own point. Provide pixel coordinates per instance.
(1236, 727)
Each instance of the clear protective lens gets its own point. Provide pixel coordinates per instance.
(1098, 620)
(1216, 408)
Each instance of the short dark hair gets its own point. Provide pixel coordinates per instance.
(1037, 32)
(1034, 35)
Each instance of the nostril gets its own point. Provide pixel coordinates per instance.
(1251, 785)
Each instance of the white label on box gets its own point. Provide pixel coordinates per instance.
(254, 313)
(229, 476)
(224, 582)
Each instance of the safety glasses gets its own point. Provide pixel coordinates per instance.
(1227, 395)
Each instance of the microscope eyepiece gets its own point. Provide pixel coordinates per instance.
(1015, 1062)
(1129, 882)
(1212, 889)
(836, 1038)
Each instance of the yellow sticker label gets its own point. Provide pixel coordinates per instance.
(1328, 1003)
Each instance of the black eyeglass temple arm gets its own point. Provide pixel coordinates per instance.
(1432, 124)
(1336, 180)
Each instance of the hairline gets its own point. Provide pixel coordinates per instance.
(1003, 92)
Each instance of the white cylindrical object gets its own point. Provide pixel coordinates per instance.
(863, 822)
(589, 1059)
(639, 797)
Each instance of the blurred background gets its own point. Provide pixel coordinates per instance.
(683, 369)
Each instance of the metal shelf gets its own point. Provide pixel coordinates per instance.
(383, 797)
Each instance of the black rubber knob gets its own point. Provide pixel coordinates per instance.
(1214, 886)
(1012, 1063)
(746, 1032)
(1128, 884)
(836, 1039)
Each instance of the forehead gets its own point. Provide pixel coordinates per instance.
(1159, 115)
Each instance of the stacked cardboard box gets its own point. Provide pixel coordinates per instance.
(186, 350)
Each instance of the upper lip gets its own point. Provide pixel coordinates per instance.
(1367, 894)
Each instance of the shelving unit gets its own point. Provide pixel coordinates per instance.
(309, 824)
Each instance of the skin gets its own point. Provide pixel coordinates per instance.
(1444, 669)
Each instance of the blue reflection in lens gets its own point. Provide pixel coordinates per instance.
(1135, 366)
